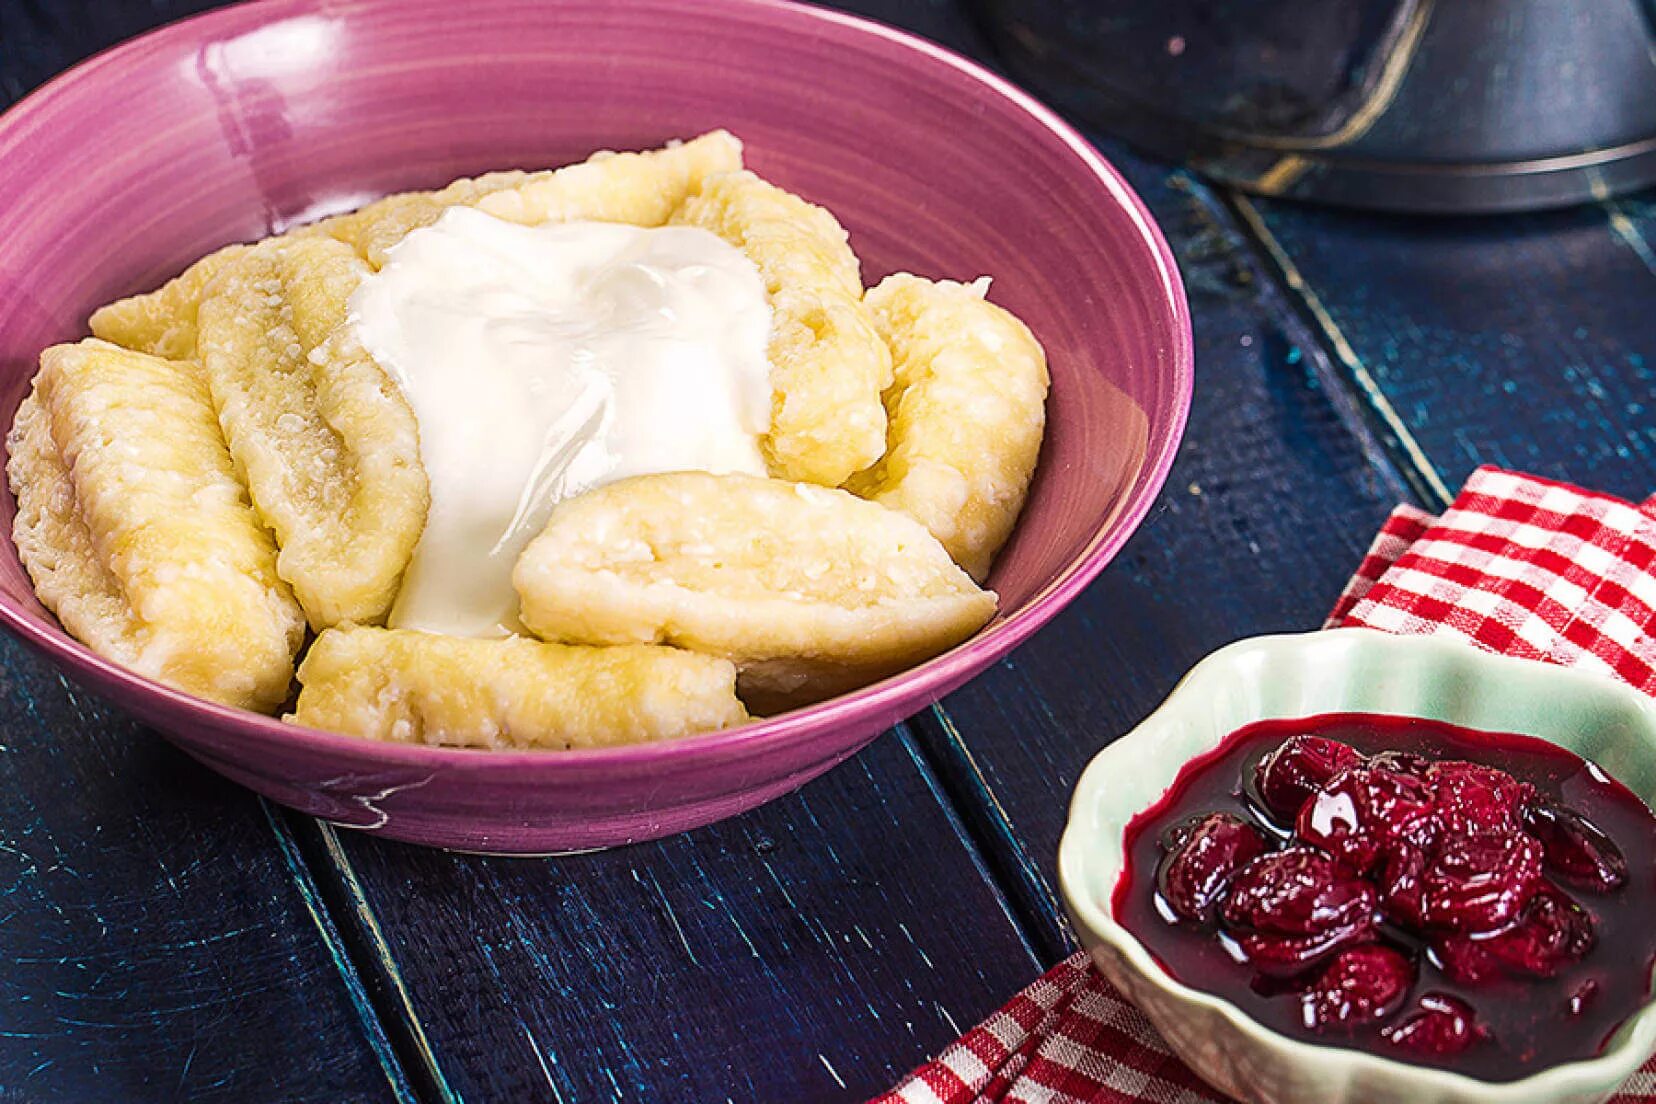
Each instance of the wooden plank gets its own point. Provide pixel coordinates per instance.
(159, 942)
(1278, 488)
(1526, 341)
(812, 950)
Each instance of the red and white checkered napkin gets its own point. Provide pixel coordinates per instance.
(1518, 565)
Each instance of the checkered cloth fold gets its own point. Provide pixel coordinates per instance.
(1518, 565)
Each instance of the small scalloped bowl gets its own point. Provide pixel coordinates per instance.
(1343, 671)
(251, 118)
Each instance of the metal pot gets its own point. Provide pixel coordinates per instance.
(1409, 105)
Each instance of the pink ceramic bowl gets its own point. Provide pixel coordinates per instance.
(247, 120)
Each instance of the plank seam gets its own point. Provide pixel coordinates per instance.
(365, 942)
(975, 851)
(1034, 908)
(310, 894)
(1396, 439)
(1299, 329)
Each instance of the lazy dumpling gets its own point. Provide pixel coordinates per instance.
(416, 687)
(967, 409)
(807, 589)
(641, 188)
(324, 437)
(137, 533)
(828, 365)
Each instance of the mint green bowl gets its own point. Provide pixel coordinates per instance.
(1344, 671)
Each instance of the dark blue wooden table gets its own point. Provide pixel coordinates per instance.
(167, 936)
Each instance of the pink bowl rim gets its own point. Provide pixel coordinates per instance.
(950, 669)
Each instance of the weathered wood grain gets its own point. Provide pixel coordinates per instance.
(1527, 341)
(812, 950)
(158, 941)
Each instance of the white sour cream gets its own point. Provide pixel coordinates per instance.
(544, 361)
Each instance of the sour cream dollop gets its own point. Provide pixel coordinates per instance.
(544, 361)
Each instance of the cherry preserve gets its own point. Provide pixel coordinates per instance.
(1483, 903)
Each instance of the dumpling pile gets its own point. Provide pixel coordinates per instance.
(223, 473)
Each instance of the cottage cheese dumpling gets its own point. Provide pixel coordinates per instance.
(828, 366)
(415, 687)
(137, 533)
(641, 188)
(327, 443)
(809, 590)
(967, 410)
(163, 322)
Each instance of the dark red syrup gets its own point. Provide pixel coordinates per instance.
(1377, 887)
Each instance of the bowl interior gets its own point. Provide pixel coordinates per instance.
(1348, 671)
(256, 118)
